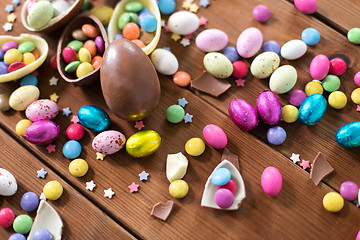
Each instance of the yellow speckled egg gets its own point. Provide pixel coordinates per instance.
(143, 143)
(21, 126)
(178, 189)
(355, 96)
(289, 113)
(78, 167)
(283, 79)
(337, 100)
(195, 146)
(333, 202)
(265, 64)
(218, 65)
(22, 97)
(313, 87)
(53, 190)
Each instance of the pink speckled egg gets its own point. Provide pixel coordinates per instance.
(306, 6)
(42, 132)
(215, 136)
(108, 142)
(43, 109)
(249, 42)
(8, 185)
(271, 181)
(319, 67)
(211, 40)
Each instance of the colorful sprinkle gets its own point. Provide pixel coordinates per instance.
(182, 102)
(66, 112)
(54, 97)
(108, 193)
(139, 125)
(100, 156)
(305, 164)
(133, 187)
(295, 158)
(51, 148)
(41, 173)
(240, 82)
(188, 118)
(143, 176)
(185, 42)
(53, 81)
(90, 185)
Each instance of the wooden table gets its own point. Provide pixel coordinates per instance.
(296, 213)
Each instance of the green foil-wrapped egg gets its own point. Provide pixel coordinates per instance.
(143, 143)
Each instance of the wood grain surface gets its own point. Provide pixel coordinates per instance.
(296, 213)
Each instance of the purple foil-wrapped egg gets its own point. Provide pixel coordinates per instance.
(243, 114)
(268, 107)
(42, 132)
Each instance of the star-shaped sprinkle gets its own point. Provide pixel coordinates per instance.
(182, 102)
(185, 42)
(9, 8)
(305, 164)
(188, 36)
(51, 148)
(16, 2)
(358, 108)
(162, 22)
(11, 18)
(203, 21)
(295, 158)
(194, 8)
(175, 37)
(108, 193)
(53, 81)
(143, 176)
(139, 125)
(90, 185)
(7, 27)
(75, 119)
(186, 4)
(188, 118)
(41, 173)
(133, 187)
(66, 112)
(167, 29)
(100, 156)
(167, 49)
(240, 82)
(204, 3)
(54, 97)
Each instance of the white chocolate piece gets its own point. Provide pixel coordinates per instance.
(48, 218)
(207, 199)
(176, 166)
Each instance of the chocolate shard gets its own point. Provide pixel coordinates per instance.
(234, 159)
(320, 168)
(162, 210)
(208, 84)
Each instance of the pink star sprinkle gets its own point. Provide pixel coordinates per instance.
(75, 119)
(305, 164)
(139, 125)
(133, 187)
(203, 21)
(240, 82)
(358, 108)
(167, 29)
(51, 148)
(188, 36)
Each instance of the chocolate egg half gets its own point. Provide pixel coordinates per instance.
(129, 81)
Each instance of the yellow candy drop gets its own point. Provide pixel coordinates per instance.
(28, 58)
(195, 146)
(313, 87)
(78, 167)
(83, 69)
(21, 126)
(53, 190)
(12, 55)
(84, 55)
(178, 189)
(355, 96)
(103, 13)
(289, 113)
(333, 202)
(337, 100)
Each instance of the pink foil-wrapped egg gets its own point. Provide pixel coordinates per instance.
(268, 107)
(306, 6)
(8, 185)
(108, 142)
(43, 109)
(271, 181)
(249, 42)
(243, 114)
(42, 132)
(319, 67)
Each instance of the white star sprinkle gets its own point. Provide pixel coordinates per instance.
(163, 23)
(66, 112)
(8, 26)
(53, 81)
(90, 185)
(185, 42)
(295, 158)
(108, 193)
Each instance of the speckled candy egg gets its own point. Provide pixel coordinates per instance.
(143, 143)
(43, 109)
(94, 118)
(271, 181)
(8, 185)
(40, 14)
(312, 109)
(22, 97)
(283, 79)
(293, 49)
(268, 107)
(265, 64)
(249, 42)
(243, 114)
(108, 142)
(42, 132)
(164, 61)
(211, 40)
(183, 22)
(348, 135)
(319, 67)
(218, 65)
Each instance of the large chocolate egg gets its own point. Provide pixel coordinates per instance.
(129, 81)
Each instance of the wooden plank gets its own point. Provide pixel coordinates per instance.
(71, 206)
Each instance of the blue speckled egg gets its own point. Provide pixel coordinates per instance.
(312, 109)
(94, 118)
(348, 135)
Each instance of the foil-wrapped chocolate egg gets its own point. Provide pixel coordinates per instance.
(94, 118)
(268, 107)
(42, 132)
(348, 135)
(143, 143)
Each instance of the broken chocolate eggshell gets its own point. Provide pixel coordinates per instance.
(129, 82)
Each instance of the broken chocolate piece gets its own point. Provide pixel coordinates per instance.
(162, 210)
(320, 168)
(208, 84)
(234, 159)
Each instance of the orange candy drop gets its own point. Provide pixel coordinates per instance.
(181, 78)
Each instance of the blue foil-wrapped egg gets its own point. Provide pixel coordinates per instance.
(348, 135)
(312, 109)
(94, 118)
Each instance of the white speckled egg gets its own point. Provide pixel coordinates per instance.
(265, 64)
(211, 40)
(283, 79)
(43, 109)
(293, 49)
(249, 42)
(22, 97)
(108, 142)
(218, 65)
(183, 22)
(8, 185)
(164, 61)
